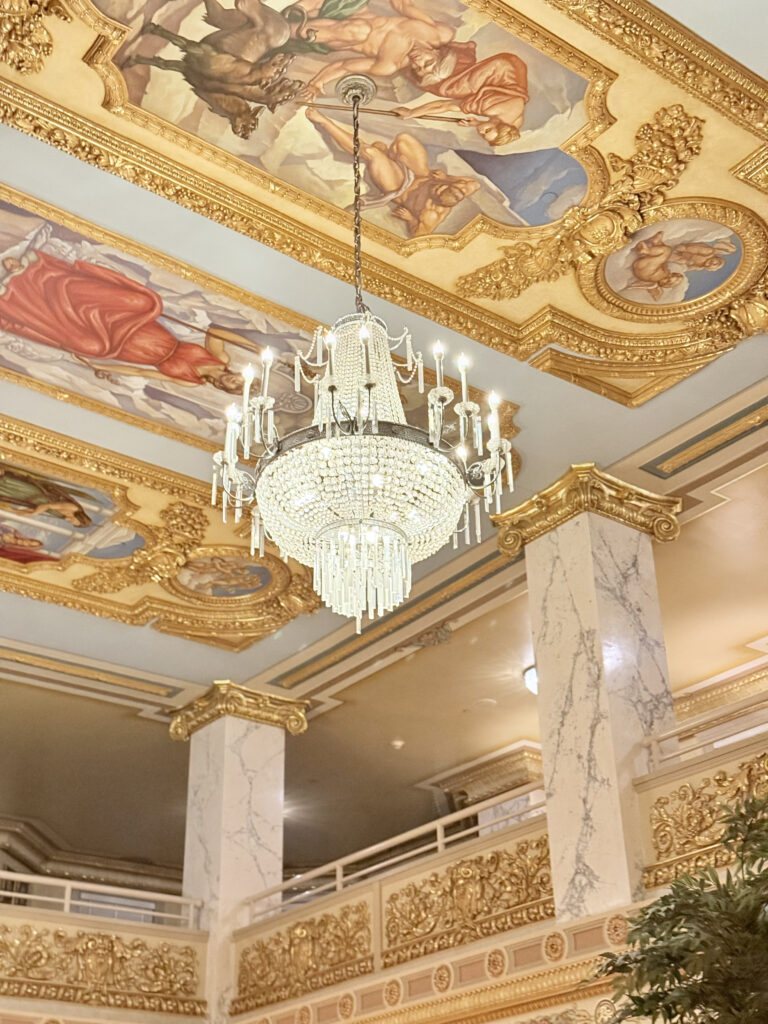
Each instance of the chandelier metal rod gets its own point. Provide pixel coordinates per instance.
(360, 306)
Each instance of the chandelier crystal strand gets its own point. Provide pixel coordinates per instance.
(361, 495)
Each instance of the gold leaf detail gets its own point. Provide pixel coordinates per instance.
(311, 954)
(665, 147)
(25, 42)
(471, 899)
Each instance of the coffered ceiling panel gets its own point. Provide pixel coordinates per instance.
(576, 183)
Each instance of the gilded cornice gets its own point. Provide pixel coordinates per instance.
(494, 775)
(665, 147)
(584, 488)
(754, 169)
(663, 44)
(696, 702)
(25, 42)
(227, 698)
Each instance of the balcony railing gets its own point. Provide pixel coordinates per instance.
(39, 892)
(713, 730)
(397, 852)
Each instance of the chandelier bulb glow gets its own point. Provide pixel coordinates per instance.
(361, 495)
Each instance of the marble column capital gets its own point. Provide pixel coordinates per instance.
(585, 488)
(227, 698)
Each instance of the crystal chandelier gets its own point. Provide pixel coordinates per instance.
(361, 495)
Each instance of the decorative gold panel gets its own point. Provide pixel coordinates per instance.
(99, 969)
(685, 824)
(584, 488)
(186, 572)
(77, 99)
(470, 899)
(310, 954)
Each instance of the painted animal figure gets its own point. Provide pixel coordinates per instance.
(239, 69)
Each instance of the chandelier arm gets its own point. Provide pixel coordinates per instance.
(350, 422)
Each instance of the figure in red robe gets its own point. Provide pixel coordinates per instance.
(493, 92)
(95, 314)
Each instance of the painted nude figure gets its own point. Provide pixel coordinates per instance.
(420, 196)
(703, 255)
(652, 270)
(382, 43)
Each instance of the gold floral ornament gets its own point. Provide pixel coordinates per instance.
(585, 488)
(665, 147)
(309, 955)
(184, 528)
(686, 824)
(99, 969)
(25, 42)
(227, 698)
(471, 899)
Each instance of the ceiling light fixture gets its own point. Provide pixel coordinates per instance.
(361, 495)
(531, 678)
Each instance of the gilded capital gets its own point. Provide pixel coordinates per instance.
(227, 698)
(585, 488)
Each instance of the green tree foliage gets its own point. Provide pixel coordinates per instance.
(699, 954)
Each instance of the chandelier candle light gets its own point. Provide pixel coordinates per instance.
(360, 495)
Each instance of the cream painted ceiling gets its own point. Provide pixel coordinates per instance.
(111, 783)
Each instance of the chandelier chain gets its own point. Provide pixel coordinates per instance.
(360, 306)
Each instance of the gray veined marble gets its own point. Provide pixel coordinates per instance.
(603, 689)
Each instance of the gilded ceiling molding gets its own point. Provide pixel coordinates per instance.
(621, 381)
(686, 824)
(754, 169)
(25, 42)
(470, 899)
(311, 953)
(122, 972)
(492, 776)
(661, 43)
(227, 698)
(696, 702)
(714, 439)
(665, 147)
(585, 488)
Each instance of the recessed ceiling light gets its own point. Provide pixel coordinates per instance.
(397, 744)
(531, 678)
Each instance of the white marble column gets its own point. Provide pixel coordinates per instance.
(602, 670)
(234, 831)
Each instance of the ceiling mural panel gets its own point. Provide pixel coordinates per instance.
(97, 319)
(98, 532)
(526, 168)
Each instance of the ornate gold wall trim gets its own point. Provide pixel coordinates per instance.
(686, 826)
(754, 169)
(25, 42)
(721, 694)
(471, 899)
(682, 57)
(752, 231)
(584, 488)
(227, 698)
(310, 954)
(112, 34)
(664, 148)
(99, 969)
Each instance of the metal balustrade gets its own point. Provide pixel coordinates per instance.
(72, 896)
(390, 855)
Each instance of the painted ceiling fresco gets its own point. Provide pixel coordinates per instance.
(109, 324)
(104, 534)
(542, 176)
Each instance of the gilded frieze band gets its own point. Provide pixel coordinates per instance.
(471, 899)
(686, 824)
(309, 955)
(99, 969)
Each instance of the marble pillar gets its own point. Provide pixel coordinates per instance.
(602, 670)
(234, 830)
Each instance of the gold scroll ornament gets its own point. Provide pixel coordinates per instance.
(25, 42)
